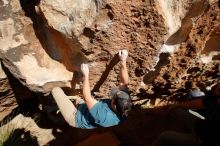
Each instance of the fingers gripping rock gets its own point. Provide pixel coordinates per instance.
(85, 69)
(123, 54)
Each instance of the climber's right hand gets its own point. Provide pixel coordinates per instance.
(123, 54)
(85, 69)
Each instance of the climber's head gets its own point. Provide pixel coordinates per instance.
(121, 101)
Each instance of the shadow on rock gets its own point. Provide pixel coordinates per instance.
(20, 137)
(140, 129)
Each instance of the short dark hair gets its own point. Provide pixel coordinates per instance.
(122, 101)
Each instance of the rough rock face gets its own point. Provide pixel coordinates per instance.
(173, 12)
(43, 42)
(134, 25)
(152, 31)
(7, 99)
(102, 32)
(173, 47)
(195, 63)
(68, 16)
(27, 126)
(22, 53)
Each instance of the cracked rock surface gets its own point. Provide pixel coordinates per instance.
(174, 47)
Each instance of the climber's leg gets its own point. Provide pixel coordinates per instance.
(67, 108)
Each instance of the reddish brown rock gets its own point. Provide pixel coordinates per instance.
(44, 42)
(193, 63)
(173, 48)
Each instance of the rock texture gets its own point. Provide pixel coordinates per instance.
(173, 13)
(134, 25)
(144, 28)
(193, 65)
(172, 45)
(7, 98)
(23, 54)
(100, 29)
(68, 16)
(27, 126)
(173, 48)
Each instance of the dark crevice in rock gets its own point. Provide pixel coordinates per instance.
(4, 94)
(41, 29)
(216, 57)
(28, 7)
(105, 74)
(87, 52)
(110, 15)
(139, 72)
(89, 33)
(18, 94)
(21, 92)
(213, 44)
(58, 47)
(163, 61)
(110, 12)
(108, 7)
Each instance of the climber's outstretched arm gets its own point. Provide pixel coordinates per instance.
(89, 100)
(124, 79)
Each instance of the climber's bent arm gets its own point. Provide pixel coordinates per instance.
(124, 79)
(123, 74)
(89, 100)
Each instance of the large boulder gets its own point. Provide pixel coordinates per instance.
(173, 12)
(180, 17)
(22, 53)
(69, 16)
(44, 41)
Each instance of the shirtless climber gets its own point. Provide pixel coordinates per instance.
(90, 113)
